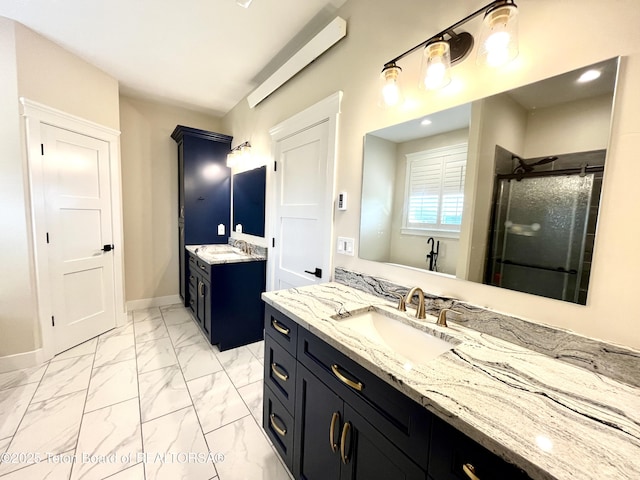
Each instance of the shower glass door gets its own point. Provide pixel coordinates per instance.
(539, 234)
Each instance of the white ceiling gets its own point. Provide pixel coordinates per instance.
(207, 54)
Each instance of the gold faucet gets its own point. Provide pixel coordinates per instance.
(420, 311)
(244, 246)
(442, 316)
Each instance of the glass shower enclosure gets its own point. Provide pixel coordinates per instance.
(538, 235)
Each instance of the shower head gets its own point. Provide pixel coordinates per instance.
(524, 167)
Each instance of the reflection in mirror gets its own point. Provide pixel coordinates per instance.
(503, 191)
(248, 201)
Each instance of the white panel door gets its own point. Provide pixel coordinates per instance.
(78, 217)
(303, 219)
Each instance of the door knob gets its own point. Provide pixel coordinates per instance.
(317, 273)
(108, 248)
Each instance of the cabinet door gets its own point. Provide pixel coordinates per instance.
(316, 457)
(366, 454)
(205, 315)
(201, 299)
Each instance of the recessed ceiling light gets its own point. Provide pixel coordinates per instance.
(425, 122)
(589, 75)
(244, 3)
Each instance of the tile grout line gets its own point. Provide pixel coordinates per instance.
(84, 406)
(135, 350)
(23, 415)
(193, 405)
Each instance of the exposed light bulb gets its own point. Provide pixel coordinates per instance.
(497, 46)
(436, 65)
(499, 38)
(391, 94)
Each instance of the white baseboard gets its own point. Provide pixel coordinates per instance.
(19, 361)
(152, 302)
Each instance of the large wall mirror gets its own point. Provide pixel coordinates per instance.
(249, 201)
(504, 191)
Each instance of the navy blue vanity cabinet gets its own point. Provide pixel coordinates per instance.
(330, 418)
(333, 441)
(204, 191)
(280, 373)
(237, 312)
(199, 288)
(454, 456)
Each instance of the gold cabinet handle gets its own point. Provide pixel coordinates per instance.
(355, 385)
(334, 418)
(280, 431)
(470, 470)
(343, 440)
(280, 328)
(200, 289)
(282, 376)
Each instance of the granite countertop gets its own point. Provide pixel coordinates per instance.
(552, 419)
(223, 253)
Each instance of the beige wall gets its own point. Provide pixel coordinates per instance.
(150, 193)
(17, 308)
(41, 71)
(377, 199)
(50, 75)
(588, 122)
(380, 30)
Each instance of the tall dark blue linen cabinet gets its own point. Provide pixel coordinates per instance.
(204, 190)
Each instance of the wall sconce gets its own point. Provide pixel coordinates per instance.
(238, 155)
(498, 46)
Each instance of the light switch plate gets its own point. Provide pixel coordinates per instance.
(345, 246)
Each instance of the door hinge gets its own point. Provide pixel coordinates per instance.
(47, 237)
(273, 242)
(42, 149)
(275, 166)
(53, 321)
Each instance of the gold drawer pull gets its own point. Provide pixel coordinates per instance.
(282, 376)
(334, 418)
(355, 385)
(280, 328)
(470, 470)
(343, 440)
(280, 431)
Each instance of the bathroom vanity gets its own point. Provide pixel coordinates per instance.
(350, 393)
(223, 293)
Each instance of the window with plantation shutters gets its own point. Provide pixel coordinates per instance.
(434, 191)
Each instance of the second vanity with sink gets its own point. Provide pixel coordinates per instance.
(355, 389)
(223, 290)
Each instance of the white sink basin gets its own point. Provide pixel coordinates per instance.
(414, 345)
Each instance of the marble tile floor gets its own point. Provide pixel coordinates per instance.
(149, 400)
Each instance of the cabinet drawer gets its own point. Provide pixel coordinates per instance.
(193, 299)
(281, 328)
(397, 417)
(204, 268)
(280, 372)
(192, 279)
(278, 424)
(451, 450)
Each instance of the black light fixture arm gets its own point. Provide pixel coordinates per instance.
(240, 147)
(449, 30)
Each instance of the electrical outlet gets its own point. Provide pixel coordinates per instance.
(345, 246)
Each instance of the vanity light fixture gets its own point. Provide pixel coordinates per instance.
(239, 154)
(498, 46)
